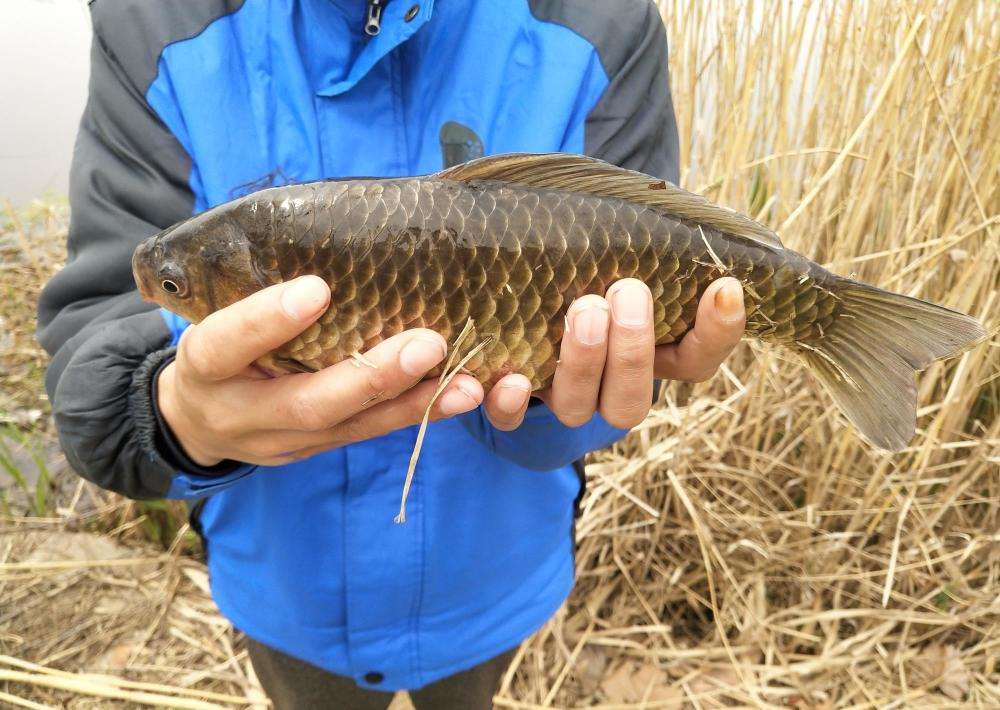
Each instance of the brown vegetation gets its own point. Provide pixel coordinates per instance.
(742, 546)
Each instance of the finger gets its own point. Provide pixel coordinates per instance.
(317, 401)
(507, 402)
(229, 340)
(627, 387)
(718, 327)
(577, 381)
(464, 394)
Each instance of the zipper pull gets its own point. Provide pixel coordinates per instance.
(373, 23)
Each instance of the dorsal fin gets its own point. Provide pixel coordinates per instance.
(579, 173)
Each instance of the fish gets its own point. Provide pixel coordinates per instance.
(502, 245)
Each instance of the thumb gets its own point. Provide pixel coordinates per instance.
(232, 338)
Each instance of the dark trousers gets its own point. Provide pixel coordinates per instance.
(292, 684)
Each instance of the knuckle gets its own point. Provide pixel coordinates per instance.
(589, 367)
(305, 413)
(417, 406)
(352, 430)
(504, 423)
(624, 418)
(732, 330)
(503, 420)
(184, 347)
(574, 419)
(415, 413)
(632, 358)
(255, 329)
(378, 382)
(196, 352)
(702, 375)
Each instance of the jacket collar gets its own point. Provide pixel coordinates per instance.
(395, 29)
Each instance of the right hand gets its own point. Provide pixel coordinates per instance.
(219, 406)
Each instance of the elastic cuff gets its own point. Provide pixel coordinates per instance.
(152, 429)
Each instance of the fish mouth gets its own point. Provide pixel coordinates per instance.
(140, 267)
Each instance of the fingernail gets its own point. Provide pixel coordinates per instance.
(589, 324)
(729, 301)
(513, 395)
(631, 305)
(456, 401)
(304, 298)
(420, 355)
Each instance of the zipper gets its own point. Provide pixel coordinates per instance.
(373, 19)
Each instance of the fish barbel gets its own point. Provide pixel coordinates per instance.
(508, 242)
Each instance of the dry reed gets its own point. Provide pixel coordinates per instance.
(742, 547)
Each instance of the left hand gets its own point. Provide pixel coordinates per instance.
(608, 358)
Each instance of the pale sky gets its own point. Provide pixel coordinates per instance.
(44, 48)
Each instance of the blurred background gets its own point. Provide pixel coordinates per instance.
(44, 57)
(742, 547)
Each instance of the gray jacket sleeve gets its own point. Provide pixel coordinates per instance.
(128, 180)
(633, 123)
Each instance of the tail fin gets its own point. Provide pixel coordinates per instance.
(868, 359)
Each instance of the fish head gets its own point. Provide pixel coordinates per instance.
(195, 267)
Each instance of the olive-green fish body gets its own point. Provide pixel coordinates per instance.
(430, 253)
(510, 242)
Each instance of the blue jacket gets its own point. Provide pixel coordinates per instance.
(193, 103)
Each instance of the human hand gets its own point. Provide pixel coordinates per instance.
(219, 406)
(608, 360)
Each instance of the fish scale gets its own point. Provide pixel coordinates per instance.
(507, 243)
(430, 254)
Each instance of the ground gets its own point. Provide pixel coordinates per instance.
(742, 547)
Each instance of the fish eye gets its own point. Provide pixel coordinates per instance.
(173, 280)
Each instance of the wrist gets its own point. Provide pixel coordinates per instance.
(181, 427)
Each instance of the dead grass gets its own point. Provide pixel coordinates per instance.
(743, 547)
(746, 548)
(32, 248)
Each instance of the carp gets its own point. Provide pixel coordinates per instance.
(506, 243)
